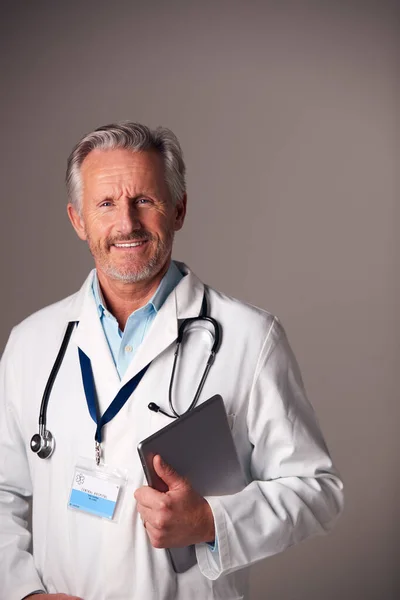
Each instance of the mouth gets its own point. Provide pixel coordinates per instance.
(129, 244)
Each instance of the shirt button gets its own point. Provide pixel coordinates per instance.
(128, 348)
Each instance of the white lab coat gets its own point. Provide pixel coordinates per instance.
(293, 491)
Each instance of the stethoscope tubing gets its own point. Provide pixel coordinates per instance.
(43, 443)
(211, 358)
(53, 374)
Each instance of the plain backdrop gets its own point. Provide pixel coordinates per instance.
(286, 112)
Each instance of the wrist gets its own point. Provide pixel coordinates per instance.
(209, 526)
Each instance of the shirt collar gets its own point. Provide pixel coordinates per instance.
(170, 280)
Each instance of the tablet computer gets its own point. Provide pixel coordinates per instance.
(199, 445)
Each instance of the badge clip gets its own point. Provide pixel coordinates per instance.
(97, 451)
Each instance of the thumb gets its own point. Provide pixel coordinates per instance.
(168, 474)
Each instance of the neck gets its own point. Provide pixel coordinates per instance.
(123, 298)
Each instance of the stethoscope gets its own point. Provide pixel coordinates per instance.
(43, 443)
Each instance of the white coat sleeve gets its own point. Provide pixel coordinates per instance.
(295, 492)
(18, 575)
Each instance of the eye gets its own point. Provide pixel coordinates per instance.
(105, 203)
(143, 201)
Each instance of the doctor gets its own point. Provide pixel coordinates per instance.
(127, 198)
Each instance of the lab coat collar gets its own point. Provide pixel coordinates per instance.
(183, 302)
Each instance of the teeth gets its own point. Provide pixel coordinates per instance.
(129, 245)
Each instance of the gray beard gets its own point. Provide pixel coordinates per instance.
(147, 272)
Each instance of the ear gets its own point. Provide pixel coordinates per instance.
(180, 213)
(77, 221)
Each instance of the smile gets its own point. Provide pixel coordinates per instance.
(129, 244)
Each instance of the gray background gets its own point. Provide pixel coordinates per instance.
(286, 114)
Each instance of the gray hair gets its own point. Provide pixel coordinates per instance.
(130, 136)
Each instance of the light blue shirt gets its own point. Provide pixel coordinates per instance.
(124, 344)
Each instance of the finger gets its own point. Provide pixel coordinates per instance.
(159, 519)
(149, 497)
(168, 474)
(156, 537)
(144, 513)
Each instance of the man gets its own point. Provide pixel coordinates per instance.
(126, 187)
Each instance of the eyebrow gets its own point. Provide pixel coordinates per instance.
(151, 194)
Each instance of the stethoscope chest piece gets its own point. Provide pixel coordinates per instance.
(43, 444)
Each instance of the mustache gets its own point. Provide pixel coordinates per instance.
(136, 236)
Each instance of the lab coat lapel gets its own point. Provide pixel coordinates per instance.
(183, 302)
(89, 337)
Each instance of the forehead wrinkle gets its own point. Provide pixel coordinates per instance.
(120, 172)
(131, 189)
(123, 182)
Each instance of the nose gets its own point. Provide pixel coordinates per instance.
(128, 218)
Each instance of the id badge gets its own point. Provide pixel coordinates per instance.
(97, 489)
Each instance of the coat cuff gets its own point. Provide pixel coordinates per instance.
(211, 561)
(22, 591)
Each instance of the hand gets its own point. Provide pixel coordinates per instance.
(52, 596)
(175, 518)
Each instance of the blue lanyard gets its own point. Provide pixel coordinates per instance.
(91, 398)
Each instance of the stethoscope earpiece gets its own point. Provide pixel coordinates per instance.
(155, 408)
